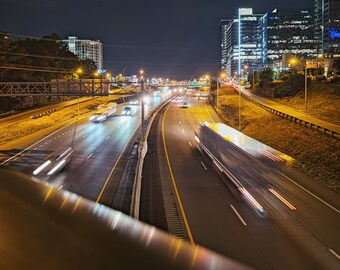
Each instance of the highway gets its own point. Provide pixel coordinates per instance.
(99, 154)
(300, 225)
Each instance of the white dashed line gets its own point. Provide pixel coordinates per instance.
(89, 156)
(205, 168)
(107, 138)
(238, 215)
(190, 143)
(334, 253)
(316, 197)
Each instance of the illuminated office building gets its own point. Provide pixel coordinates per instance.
(244, 43)
(327, 26)
(223, 41)
(86, 49)
(290, 31)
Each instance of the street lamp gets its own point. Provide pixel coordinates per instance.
(222, 75)
(293, 61)
(141, 72)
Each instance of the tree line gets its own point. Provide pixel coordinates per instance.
(31, 59)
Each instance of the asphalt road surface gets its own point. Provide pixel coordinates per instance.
(300, 229)
(98, 150)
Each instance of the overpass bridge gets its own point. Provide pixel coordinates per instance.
(85, 87)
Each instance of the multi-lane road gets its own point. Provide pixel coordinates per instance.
(300, 228)
(100, 152)
(298, 231)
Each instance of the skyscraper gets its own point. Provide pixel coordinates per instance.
(244, 42)
(223, 41)
(86, 49)
(327, 26)
(290, 31)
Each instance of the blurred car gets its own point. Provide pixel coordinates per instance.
(98, 117)
(134, 102)
(55, 162)
(126, 111)
(184, 105)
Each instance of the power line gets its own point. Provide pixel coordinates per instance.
(33, 69)
(41, 56)
(105, 45)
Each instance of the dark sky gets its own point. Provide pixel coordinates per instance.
(174, 38)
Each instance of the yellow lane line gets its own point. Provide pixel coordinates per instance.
(206, 108)
(114, 167)
(174, 183)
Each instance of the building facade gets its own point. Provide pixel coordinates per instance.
(290, 31)
(223, 41)
(327, 26)
(86, 49)
(245, 41)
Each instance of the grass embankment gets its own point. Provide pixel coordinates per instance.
(323, 101)
(316, 154)
(20, 129)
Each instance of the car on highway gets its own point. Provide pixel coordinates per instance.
(98, 117)
(126, 111)
(134, 102)
(55, 162)
(184, 105)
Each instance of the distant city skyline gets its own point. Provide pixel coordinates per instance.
(177, 39)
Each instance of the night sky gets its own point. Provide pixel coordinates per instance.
(171, 38)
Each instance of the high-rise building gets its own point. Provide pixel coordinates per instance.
(223, 41)
(327, 26)
(290, 31)
(245, 42)
(86, 49)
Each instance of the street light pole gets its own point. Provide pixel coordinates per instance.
(142, 104)
(217, 92)
(239, 107)
(253, 80)
(306, 86)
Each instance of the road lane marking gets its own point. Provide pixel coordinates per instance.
(107, 138)
(174, 183)
(89, 156)
(114, 166)
(58, 130)
(190, 143)
(334, 253)
(183, 131)
(321, 200)
(206, 108)
(238, 215)
(277, 195)
(205, 168)
(85, 136)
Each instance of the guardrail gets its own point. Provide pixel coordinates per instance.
(294, 119)
(5, 114)
(142, 150)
